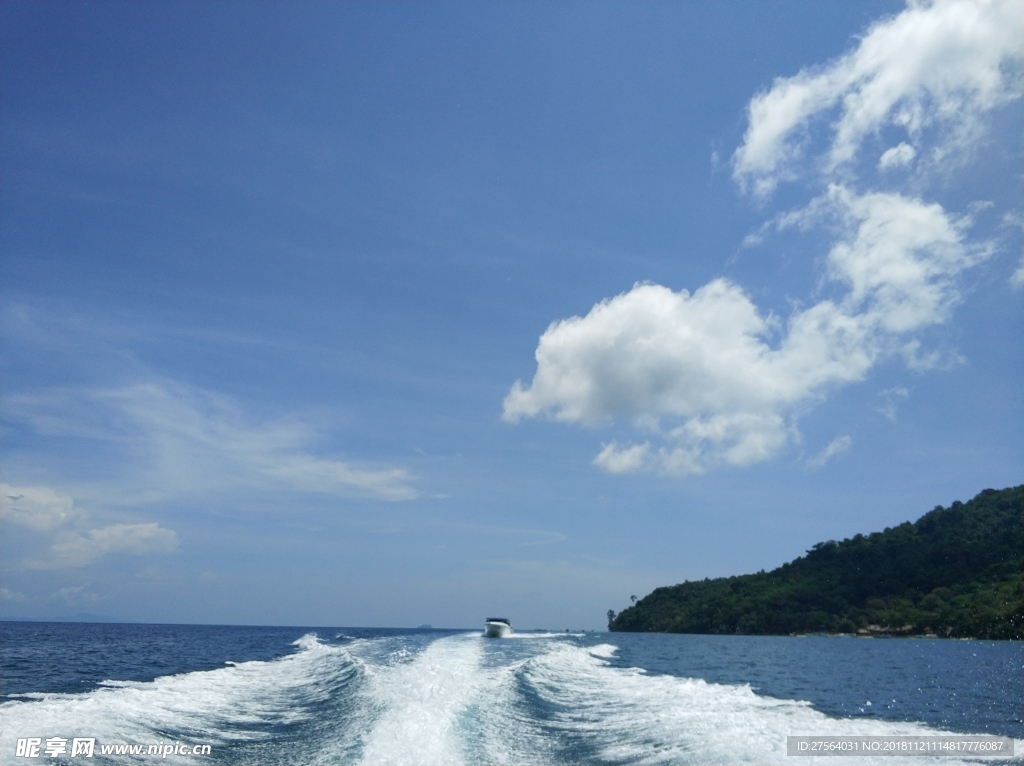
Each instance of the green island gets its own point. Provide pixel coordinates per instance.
(956, 572)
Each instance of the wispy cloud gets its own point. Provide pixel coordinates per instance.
(1016, 220)
(76, 595)
(184, 440)
(514, 536)
(10, 595)
(1017, 280)
(708, 377)
(837, 446)
(932, 71)
(312, 474)
(890, 397)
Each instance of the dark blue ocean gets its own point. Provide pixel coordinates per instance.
(259, 695)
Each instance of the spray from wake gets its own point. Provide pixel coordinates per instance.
(602, 714)
(444, 701)
(423, 703)
(240, 703)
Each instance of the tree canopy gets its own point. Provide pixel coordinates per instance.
(955, 572)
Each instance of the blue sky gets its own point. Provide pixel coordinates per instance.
(382, 314)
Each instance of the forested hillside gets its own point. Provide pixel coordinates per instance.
(955, 572)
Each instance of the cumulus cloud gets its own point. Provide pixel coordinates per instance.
(937, 67)
(699, 371)
(717, 380)
(39, 508)
(75, 596)
(707, 377)
(647, 352)
(897, 157)
(185, 440)
(46, 510)
(837, 446)
(614, 459)
(902, 261)
(75, 550)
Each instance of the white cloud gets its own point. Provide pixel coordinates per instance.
(720, 382)
(716, 380)
(184, 440)
(1017, 279)
(75, 549)
(897, 157)
(937, 65)
(1015, 219)
(321, 475)
(75, 596)
(902, 262)
(44, 509)
(890, 397)
(753, 239)
(647, 352)
(651, 354)
(624, 460)
(836, 447)
(39, 508)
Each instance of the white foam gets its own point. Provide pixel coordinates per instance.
(235, 703)
(422, 700)
(445, 702)
(603, 650)
(629, 716)
(541, 635)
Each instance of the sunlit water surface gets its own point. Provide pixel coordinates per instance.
(357, 695)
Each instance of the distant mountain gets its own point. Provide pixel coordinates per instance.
(955, 572)
(78, 617)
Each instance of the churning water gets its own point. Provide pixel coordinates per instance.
(351, 696)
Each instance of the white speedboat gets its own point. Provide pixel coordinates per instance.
(497, 627)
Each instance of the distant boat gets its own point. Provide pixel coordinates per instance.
(497, 627)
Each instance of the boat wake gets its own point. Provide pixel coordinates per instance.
(441, 700)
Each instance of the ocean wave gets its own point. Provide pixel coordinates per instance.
(240, 702)
(605, 714)
(444, 701)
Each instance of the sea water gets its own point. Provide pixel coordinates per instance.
(258, 695)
